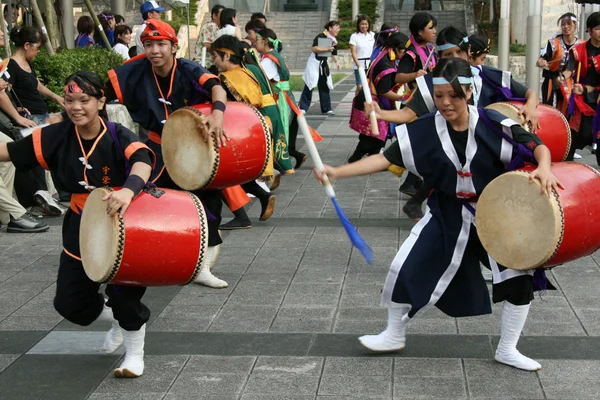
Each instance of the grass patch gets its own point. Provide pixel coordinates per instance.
(297, 84)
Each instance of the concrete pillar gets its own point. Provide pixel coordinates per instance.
(534, 33)
(355, 9)
(503, 35)
(68, 25)
(117, 7)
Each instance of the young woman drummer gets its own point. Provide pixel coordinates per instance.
(84, 152)
(439, 263)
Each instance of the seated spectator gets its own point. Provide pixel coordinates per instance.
(119, 20)
(85, 28)
(107, 21)
(122, 40)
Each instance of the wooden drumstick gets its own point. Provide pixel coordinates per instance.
(578, 72)
(203, 59)
(369, 100)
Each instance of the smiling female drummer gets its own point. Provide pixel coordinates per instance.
(83, 152)
(458, 151)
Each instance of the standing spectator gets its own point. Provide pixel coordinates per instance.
(85, 27)
(260, 17)
(361, 47)
(252, 28)
(208, 34)
(119, 20)
(107, 21)
(149, 9)
(317, 71)
(122, 40)
(228, 23)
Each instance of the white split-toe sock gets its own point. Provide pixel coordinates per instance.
(133, 365)
(393, 338)
(513, 320)
(114, 337)
(205, 277)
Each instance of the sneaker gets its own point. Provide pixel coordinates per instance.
(577, 156)
(303, 112)
(330, 112)
(48, 205)
(276, 181)
(413, 211)
(235, 224)
(26, 224)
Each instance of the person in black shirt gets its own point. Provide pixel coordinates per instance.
(458, 151)
(317, 71)
(584, 67)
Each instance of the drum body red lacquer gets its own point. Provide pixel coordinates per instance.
(161, 240)
(554, 130)
(196, 164)
(522, 229)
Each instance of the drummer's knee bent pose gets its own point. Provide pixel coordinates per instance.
(80, 153)
(439, 264)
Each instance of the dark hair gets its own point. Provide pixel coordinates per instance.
(256, 26)
(418, 22)
(85, 24)
(119, 19)
(20, 35)
(231, 43)
(452, 35)
(145, 15)
(451, 68)
(258, 15)
(227, 16)
(91, 84)
(397, 40)
(270, 34)
(479, 45)
(331, 24)
(360, 18)
(13, 6)
(567, 15)
(593, 20)
(215, 10)
(120, 30)
(103, 17)
(382, 34)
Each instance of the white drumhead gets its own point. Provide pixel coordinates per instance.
(517, 225)
(98, 237)
(510, 111)
(190, 161)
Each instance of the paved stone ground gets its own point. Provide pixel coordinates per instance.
(286, 327)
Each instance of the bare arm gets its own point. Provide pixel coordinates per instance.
(392, 96)
(366, 166)
(405, 78)
(317, 49)
(398, 117)
(548, 181)
(4, 156)
(119, 201)
(7, 106)
(354, 57)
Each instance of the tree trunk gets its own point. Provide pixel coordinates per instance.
(52, 24)
(40, 22)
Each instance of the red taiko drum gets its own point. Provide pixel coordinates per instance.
(554, 129)
(194, 164)
(161, 240)
(523, 229)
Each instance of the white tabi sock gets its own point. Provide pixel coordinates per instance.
(133, 365)
(393, 338)
(513, 320)
(205, 277)
(114, 337)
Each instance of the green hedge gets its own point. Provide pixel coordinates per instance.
(347, 24)
(53, 71)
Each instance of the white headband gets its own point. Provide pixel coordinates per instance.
(463, 80)
(447, 46)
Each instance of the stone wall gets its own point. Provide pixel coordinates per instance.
(444, 18)
(516, 64)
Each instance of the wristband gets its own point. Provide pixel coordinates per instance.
(219, 105)
(135, 184)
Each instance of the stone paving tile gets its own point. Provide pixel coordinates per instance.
(126, 396)
(37, 323)
(302, 325)
(487, 378)
(221, 365)
(572, 379)
(358, 366)
(289, 365)
(356, 385)
(590, 318)
(241, 318)
(281, 383)
(430, 388)
(6, 360)
(312, 294)
(263, 396)
(428, 368)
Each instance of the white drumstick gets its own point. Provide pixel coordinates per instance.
(203, 60)
(369, 100)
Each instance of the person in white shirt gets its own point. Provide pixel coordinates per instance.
(361, 46)
(122, 40)
(149, 9)
(228, 23)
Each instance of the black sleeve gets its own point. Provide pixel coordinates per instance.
(528, 139)
(517, 88)
(109, 92)
(141, 155)
(548, 54)
(571, 63)
(209, 84)
(22, 153)
(417, 103)
(316, 40)
(12, 69)
(393, 154)
(385, 84)
(406, 65)
(334, 52)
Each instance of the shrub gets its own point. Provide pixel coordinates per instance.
(347, 24)
(53, 71)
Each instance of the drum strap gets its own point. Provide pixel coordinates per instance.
(112, 128)
(521, 154)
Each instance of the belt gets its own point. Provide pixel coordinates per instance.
(154, 137)
(268, 100)
(78, 201)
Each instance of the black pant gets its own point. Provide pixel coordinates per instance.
(583, 137)
(254, 189)
(293, 136)
(367, 145)
(77, 298)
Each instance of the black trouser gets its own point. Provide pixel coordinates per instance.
(29, 182)
(254, 189)
(367, 145)
(293, 136)
(77, 298)
(583, 137)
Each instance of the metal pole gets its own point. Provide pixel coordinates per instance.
(187, 10)
(534, 37)
(38, 18)
(491, 10)
(7, 51)
(68, 24)
(503, 35)
(582, 25)
(90, 8)
(117, 7)
(355, 9)
(9, 14)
